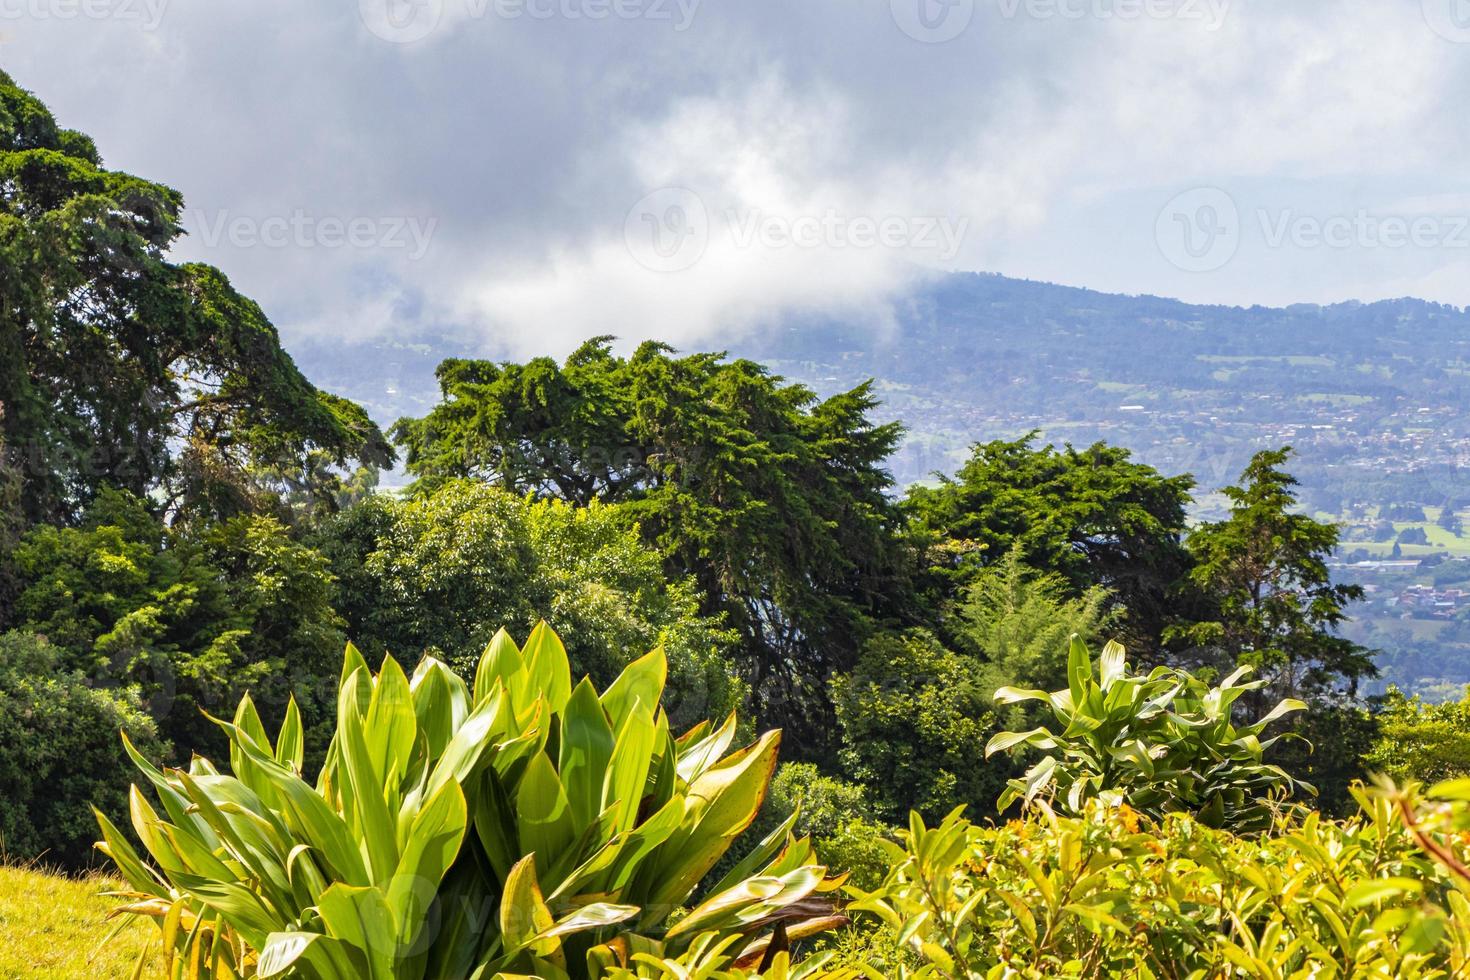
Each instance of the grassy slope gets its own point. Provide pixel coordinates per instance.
(53, 927)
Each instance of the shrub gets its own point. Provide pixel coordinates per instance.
(1016, 621)
(912, 714)
(442, 572)
(522, 825)
(838, 817)
(59, 751)
(192, 615)
(1164, 742)
(1425, 742)
(1112, 892)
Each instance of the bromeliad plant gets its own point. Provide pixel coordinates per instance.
(520, 827)
(1164, 742)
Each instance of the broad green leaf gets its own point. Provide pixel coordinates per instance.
(586, 751)
(366, 812)
(391, 727)
(598, 915)
(1013, 695)
(547, 664)
(1377, 889)
(627, 773)
(641, 681)
(501, 661)
(722, 803)
(543, 813)
(1037, 737)
(1079, 670)
(523, 912)
(1110, 663)
(440, 703)
(360, 919)
(291, 743)
(283, 950)
(434, 840)
(701, 755)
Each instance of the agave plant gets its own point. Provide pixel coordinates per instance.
(521, 827)
(1164, 741)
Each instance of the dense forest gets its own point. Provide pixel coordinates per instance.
(654, 669)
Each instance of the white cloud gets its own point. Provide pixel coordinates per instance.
(1052, 141)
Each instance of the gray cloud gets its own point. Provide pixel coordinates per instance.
(497, 174)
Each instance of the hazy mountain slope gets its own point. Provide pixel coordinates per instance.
(1375, 396)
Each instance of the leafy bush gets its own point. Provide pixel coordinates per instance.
(193, 616)
(522, 825)
(1425, 742)
(442, 572)
(1113, 893)
(1016, 622)
(59, 751)
(1164, 742)
(912, 714)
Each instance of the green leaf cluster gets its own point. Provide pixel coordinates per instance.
(59, 752)
(191, 615)
(1164, 742)
(519, 826)
(1111, 892)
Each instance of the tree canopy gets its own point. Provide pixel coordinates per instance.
(120, 368)
(1267, 594)
(774, 501)
(1093, 516)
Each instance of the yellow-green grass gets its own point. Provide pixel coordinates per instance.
(53, 926)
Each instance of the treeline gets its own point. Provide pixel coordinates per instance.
(185, 518)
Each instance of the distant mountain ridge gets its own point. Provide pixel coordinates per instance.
(1369, 390)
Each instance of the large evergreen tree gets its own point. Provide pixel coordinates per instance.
(775, 502)
(1261, 578)
(120, 368)
(1092, 516)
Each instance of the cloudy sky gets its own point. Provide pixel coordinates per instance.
(536, 171)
